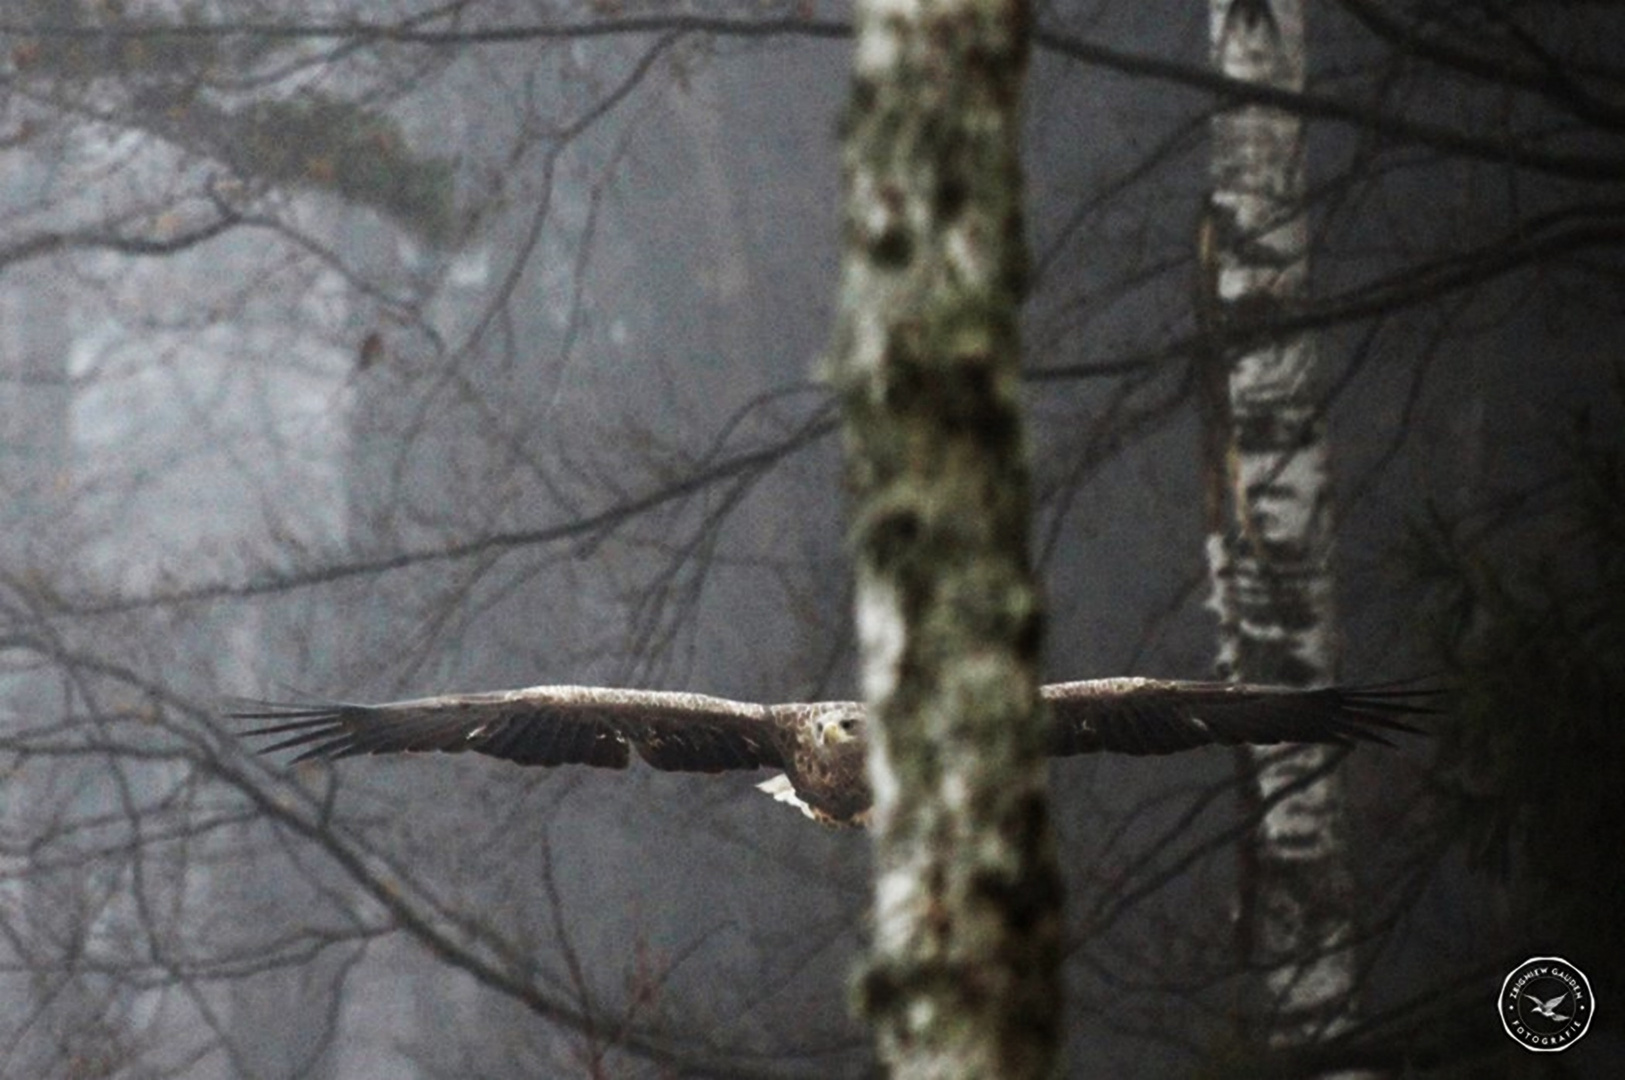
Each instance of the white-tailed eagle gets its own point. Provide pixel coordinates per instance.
(819, 746)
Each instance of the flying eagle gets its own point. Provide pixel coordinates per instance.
(818, 745)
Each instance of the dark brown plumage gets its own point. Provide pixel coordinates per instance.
(819, 745)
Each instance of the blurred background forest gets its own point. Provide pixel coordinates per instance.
(357, 349)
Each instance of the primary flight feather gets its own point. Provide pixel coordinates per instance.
(819, 746)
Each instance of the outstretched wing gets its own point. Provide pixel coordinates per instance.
(540, 725)
(1150, 716)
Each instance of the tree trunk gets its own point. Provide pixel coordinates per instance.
(1269, 542)
(963, 980)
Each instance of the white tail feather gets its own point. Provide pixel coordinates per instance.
(783, 791)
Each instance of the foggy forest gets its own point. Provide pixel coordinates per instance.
(357, 350)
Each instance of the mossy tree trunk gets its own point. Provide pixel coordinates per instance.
(963, 980)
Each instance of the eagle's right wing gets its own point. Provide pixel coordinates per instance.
(540, 725)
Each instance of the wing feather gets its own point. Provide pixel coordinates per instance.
(1149, 716)
(542, 725)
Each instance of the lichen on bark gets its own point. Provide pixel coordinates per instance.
(963, 977)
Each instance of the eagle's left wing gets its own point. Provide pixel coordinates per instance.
(1152, 716)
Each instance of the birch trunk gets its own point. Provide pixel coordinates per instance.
(963, 976)
(1270, 541)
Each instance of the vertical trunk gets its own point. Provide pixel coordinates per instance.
(47, 1013)
(963, 980)
(286, 1022)
(1269, 542)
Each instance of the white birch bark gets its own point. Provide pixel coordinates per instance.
(1270, 540)
(963, 977)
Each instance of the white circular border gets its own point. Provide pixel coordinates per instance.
(1501, 1011)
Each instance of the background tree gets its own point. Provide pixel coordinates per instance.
(1269, 538)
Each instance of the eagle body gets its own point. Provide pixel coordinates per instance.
(819, 747)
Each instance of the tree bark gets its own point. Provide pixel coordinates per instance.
(1270, 538)
(963, 979)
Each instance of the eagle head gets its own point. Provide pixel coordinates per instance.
(840, 725)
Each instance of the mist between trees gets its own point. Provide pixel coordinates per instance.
(359, 350)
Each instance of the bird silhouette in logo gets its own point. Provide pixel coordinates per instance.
(1548, 1009)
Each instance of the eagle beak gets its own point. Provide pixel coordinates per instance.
(835, 732)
